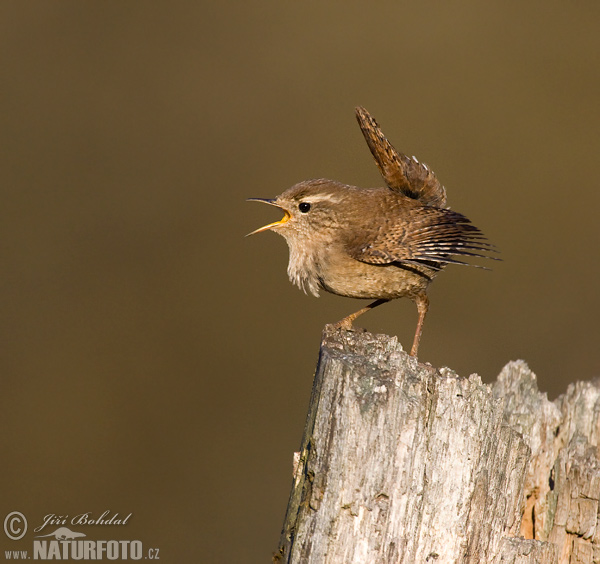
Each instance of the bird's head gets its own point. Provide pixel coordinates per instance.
(309, 209)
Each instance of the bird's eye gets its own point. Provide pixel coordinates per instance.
(304, 207)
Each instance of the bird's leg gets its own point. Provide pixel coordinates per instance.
(422, 302)
(346, 323)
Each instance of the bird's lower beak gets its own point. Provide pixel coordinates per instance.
(283, 220)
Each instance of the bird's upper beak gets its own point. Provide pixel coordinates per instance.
(283, 220)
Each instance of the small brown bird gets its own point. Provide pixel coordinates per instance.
(374, 243)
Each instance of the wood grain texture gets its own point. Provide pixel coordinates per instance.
(404, 463)
(562, 485)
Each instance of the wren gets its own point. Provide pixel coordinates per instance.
(374, 243)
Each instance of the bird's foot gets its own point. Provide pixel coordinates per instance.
(345, 324)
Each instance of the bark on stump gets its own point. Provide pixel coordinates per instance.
(404, 463)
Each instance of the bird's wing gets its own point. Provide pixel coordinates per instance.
(401, 173)
(428, 235)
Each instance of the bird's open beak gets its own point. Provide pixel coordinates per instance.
(283, 220)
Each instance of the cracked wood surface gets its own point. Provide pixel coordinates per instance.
(404, 463)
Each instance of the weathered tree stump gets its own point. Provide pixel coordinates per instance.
(403, 463)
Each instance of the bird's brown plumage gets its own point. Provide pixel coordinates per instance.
(401, 173)
(418, 234)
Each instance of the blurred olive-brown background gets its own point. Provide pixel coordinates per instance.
(155, 361)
